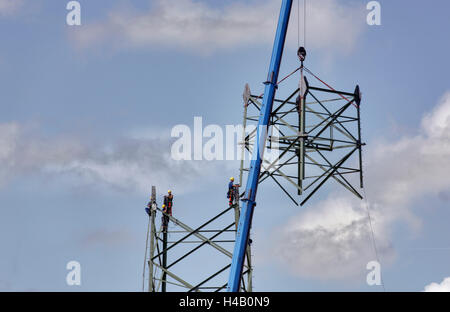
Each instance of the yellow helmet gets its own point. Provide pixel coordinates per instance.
(164, 206)
(169, 191)
(231, 179)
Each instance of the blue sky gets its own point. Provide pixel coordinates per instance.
(86, 114)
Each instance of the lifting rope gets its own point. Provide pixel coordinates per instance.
(298, 23)
(374, 244)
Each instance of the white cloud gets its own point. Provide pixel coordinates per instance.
(127, 164)
(442, 287)
(332, 238)
(197, 26)
(8, 7)
(104, 237)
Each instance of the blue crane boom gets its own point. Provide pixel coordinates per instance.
(246, 215)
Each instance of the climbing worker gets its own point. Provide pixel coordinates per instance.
(149, 207)
(169, 202)
(231, 194)
(164, 218)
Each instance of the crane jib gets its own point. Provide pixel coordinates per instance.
(249, 203)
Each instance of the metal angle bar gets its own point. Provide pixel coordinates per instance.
(285, 123)
(349, 135)
(336, 140)
(199, 242)
(284, 113)
(169, 282)
(350, 118)
(243, 283)
(340, 123)
(255, 101)
(325, 172)
(345, 180)
(333, 117)
(294, 110)
(349, 171)
(194, 232)
(338, 129)
(198, 247)
(289, 179)
(333, 176)
(332, 91)
(209, 278)
(278, 100)
(215, 241)
(343, 146)
(251, 135)
(279, 130)
(226, 284)
(327, 177)
(145, 257)
(266, 172)
(177, 278)
(254, 104)
(346, 121)
(293, 103)
(279, 157)
(279, 175)
(337, 171)
(284, 190)
(157, 249)
(360, 149)
(284, 102)
(318, 178)
(201, 231)
(223, 286)
(319, 102)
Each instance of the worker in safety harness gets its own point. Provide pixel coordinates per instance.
(168, 201)
(164, 218)
(231, 194)
(148, 209)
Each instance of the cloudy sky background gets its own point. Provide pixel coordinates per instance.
(86, 115)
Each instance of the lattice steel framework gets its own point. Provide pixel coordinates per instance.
(172, 251)
(317, 135)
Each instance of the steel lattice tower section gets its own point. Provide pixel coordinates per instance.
(314, 140)
(170, 254)
(313, 129)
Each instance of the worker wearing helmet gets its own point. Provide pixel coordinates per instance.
(231, 192)
(149, 207)
(164, 218)
(168, 201)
